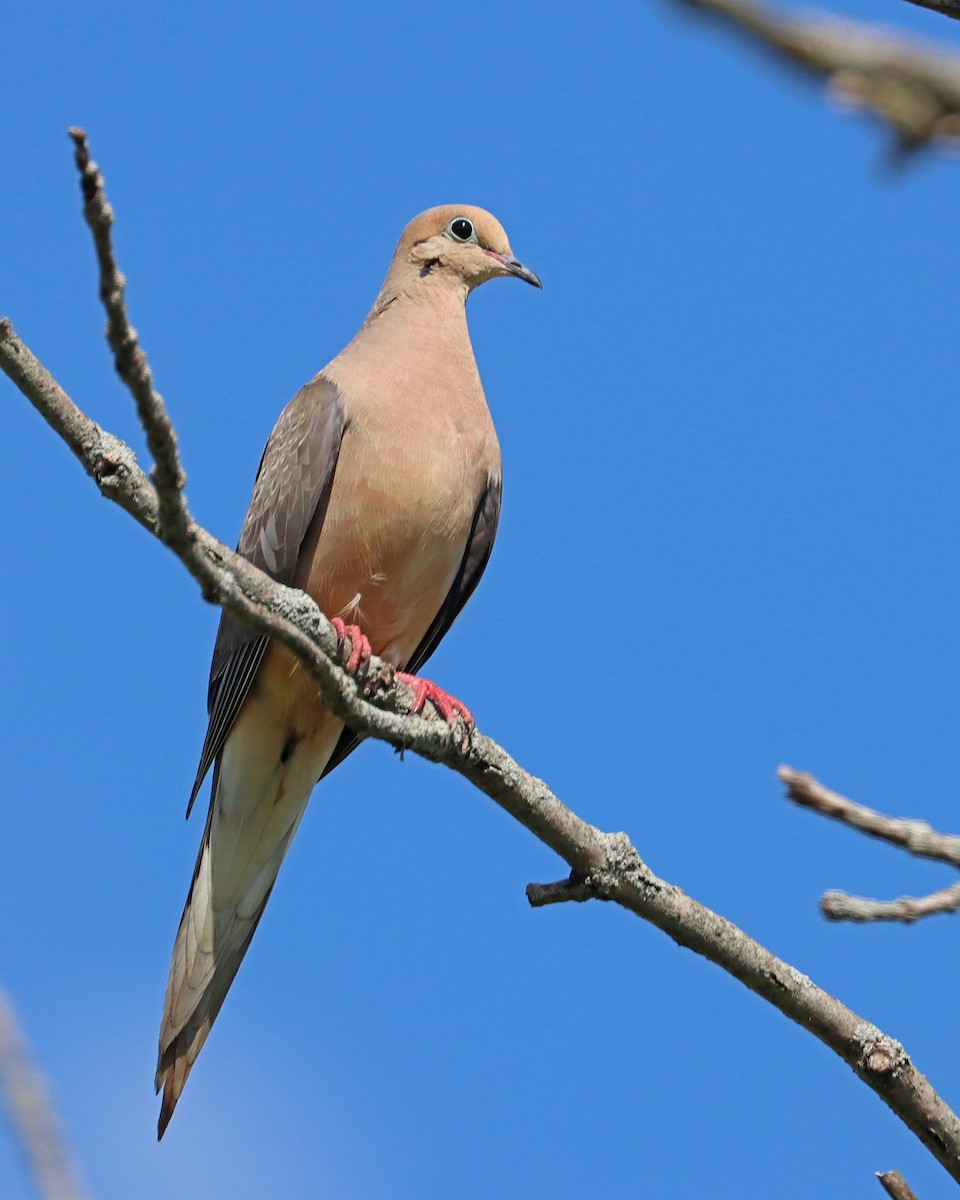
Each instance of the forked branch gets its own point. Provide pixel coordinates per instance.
(917, 837)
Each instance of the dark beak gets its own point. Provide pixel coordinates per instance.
(515, 267)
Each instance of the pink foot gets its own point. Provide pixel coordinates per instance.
(360, 649)
(449, 707)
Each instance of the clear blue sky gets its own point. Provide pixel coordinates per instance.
(731, 435)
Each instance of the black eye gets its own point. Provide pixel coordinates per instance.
(461, 229)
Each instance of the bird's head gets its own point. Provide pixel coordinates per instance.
(456, 243)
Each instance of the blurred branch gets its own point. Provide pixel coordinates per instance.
(917, 837)
(605, 866)
(912, 87)
(894, 1184)
(31, 1113)
(839, 906)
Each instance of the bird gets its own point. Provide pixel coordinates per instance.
(378, 493)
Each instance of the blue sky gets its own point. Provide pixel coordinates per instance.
(729, 540)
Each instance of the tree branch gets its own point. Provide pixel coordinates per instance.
(912, 87)
(839, 906)
(573, 888)
(31, 1113)
(604, 865)
(917, 837)
(129, 360)
(894, 1184)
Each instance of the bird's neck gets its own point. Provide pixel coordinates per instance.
(421, 329)
(429, 286)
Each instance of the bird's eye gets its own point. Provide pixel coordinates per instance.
(462, 230)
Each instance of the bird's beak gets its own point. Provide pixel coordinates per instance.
(514, 266)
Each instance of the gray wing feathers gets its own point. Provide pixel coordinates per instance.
(290, 495)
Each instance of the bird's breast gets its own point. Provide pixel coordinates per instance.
(418, 452)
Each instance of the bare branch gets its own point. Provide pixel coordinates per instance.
(839, 906)
(607, 864)
(912, 87)
(572, 888)
(31, 1113)
(896, 1186)
(129, 359)
(603, 865)
(915, 836)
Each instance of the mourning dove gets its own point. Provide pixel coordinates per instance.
(378, 493)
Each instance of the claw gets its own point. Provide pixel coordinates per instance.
(360, 649)
(449, 707)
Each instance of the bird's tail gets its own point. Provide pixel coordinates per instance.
(210, 945)
(262, 782)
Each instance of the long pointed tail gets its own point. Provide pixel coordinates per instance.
(259, 795)
(249, 828)
(207, 954)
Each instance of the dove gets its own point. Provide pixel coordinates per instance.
(378, 494)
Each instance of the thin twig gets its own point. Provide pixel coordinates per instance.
(917, 837)
(839, 906)
(129, 359)
(31, 1113)
(913, 87)
(896, 1186)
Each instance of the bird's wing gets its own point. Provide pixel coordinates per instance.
(475, 558)
(289, 502)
